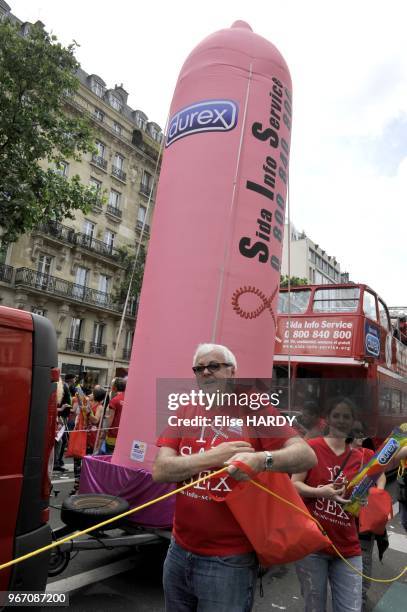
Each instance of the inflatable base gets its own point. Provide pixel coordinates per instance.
(99, 475)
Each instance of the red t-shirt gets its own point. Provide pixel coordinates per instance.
(202, 525)
(339, 525)
(115, 404)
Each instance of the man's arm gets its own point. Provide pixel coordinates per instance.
(109, 415)
(295, 456)
(170, 467)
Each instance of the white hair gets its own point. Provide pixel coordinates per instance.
(207, 347)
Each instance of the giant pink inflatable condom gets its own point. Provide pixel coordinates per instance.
(213, 265)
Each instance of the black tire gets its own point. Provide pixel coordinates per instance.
(58, 561)
(83, 511)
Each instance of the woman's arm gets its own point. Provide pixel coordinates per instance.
(328, 491)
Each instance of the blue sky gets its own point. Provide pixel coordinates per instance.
(348, 62)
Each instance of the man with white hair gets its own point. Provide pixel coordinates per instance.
(211, 564)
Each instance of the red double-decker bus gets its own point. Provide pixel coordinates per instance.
(338, 340)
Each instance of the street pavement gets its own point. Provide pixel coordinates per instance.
(130, 579)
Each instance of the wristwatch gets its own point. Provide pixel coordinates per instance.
(268, 462)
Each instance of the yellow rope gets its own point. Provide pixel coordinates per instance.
(76, 534)
(260, 486)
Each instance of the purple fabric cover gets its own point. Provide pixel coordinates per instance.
(98, 475)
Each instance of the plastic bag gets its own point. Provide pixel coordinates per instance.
(278, 533)
(374, 516)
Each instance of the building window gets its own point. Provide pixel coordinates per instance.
(141, 214)
(146, 183)
(119, 161)
(104, 283)
(98, 114)
(128, 343)
(129, 339)
(118, 167)
(39, 311)
(114, 199)
(117, 128)
(97, 88)
(62, 168)
(3, 252)
(98, 330)
(116, 103)
(81, 277)
(98, 158)
(140, 121)
(153, 132)
(44, 271)
(312, 255)
(97, 185)
(89, 228)
(103, 289)
(76, 328)
(44, 264)
(109, 239)
(101, 149)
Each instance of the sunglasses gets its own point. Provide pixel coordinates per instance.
(212, 367)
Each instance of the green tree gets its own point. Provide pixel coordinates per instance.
(37, 75)
(128, 259)
(295, 281)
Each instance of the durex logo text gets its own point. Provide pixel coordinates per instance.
(207, 116)
(388, 451)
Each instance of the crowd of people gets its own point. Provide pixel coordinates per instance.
(92, 408)
(211, 564)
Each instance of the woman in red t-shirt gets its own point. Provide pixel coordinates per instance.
(323, 488)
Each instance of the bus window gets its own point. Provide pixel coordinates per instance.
(384, 316)
(280, 371)
(294, 302)
(395, 402)
(384, 400)
(342, 299)
(369, 305)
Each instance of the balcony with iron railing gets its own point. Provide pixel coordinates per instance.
(145, 189)
(56, 230)
(99, 161)
(118, 173)
(143, 227)
(6, 273)
(88, 242)
(75, 345)
(66, 290)
(113, 210)
(126, 354)
(97, 349)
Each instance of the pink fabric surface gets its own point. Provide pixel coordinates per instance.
(99, 475)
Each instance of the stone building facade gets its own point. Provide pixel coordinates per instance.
(309, 260)
(71, 271)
